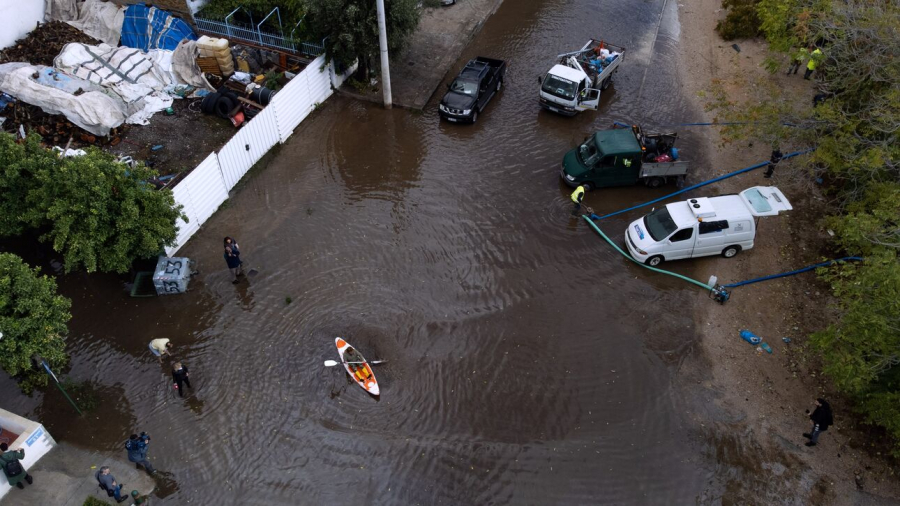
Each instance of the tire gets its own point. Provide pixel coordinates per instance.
(499, 84)
(655, 260)
(208, 105)
(731, 251)
(474, 116)
(224, 106)
(655, 182)
(588, 187)
(605, 84)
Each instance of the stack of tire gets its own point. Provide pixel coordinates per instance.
(223, 103)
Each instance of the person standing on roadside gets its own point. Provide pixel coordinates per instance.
(799, 57)
(822, 418)
(160, 347)
(773, 162)
(12, 468)
(815, 58)
(180, 376)
(108, 482)
(137, 451)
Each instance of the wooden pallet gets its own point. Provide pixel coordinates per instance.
(209, 65)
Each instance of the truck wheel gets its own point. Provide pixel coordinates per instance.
(606, 82)
(474, 116)
(654, 261)
(655, 182)
(499, 84)
(731, 251)
(587, 186)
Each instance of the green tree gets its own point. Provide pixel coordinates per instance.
(351, 27)
(98, 213)
(855, 135)
(33, 321)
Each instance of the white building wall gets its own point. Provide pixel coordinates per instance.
(17, 18)
(33, 438)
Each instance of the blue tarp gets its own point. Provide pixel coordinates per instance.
(147, 28)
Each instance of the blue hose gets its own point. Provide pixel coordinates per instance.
(791, 273)
(698, 185)
(623, 125)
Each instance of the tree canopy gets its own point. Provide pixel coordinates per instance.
(98, 213)
(33, 321)
(855, 138)
(351, 27)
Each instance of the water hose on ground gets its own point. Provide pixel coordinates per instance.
(791, 273)
(698, 185)
(626, 255)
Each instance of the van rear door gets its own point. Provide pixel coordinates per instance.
(765, 201)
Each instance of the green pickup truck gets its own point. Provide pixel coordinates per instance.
(622, 157)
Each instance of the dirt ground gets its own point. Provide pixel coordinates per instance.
(757, 414)
(187, 138)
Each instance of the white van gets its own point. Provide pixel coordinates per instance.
(703, 226)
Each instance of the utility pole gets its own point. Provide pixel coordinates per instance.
(382, 43)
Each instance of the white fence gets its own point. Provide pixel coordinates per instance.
(207, 186)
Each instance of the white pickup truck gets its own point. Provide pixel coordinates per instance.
(574, 84)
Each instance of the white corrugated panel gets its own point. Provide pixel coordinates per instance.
(251, 142)
(298, 98)
(201, 193)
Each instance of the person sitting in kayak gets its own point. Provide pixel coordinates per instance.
(351, 356)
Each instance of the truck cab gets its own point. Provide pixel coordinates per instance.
(622, 157)
(575, 82)
(724, 225)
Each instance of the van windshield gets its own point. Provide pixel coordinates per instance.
(560, 87)
(659, 224)
(589, 153)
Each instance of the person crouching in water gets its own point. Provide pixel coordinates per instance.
(180, 377)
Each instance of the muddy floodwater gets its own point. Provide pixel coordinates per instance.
(528, 363)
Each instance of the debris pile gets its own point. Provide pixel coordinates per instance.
(54, 128)
(44, 43)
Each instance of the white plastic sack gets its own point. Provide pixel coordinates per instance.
(94, 109)
(100, 19)
(184, 66)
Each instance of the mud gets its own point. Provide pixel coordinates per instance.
(528, 363)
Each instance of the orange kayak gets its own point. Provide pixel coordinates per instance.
(363, 374)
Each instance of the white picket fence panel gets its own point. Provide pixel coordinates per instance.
(248, 145)
(294, 103)
(200, 194)
(207, 186)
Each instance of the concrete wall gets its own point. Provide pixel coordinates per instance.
(18, 18)
(33, 438)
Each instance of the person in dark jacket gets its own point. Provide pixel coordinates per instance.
(822, 418)
(137, 451)
(773, 162)
(233, 259)
(180, 375)
(9, 461)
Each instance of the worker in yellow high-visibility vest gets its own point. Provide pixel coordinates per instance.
(815, 58)
(577, 197)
